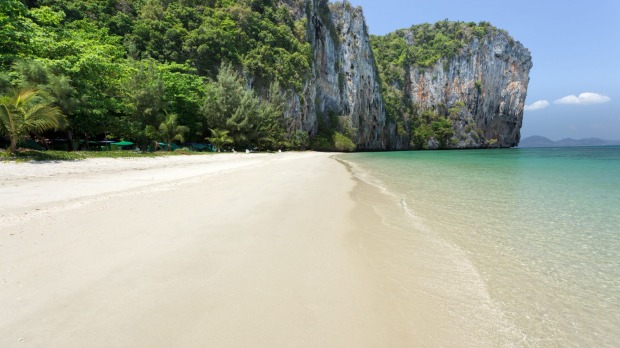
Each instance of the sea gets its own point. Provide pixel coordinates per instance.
(530, 238)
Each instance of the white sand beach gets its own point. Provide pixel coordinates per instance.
(257, 250)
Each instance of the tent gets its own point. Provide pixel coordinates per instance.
(123, 145)
(200, 147)
(164, 146)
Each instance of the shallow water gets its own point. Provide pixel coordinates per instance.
(538, 228)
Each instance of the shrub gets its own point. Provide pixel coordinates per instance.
(342, 143)
(300, 140)
(321, 142)
(333, 142)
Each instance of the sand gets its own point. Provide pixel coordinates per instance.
(259, 250)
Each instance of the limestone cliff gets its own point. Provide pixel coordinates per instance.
(481, 89)
(474, 93)
(343, 91)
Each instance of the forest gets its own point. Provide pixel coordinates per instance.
(146, 70)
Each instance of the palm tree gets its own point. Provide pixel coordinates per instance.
(28, 111)
(219, 138)
(170, 130)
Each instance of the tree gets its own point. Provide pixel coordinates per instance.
(250, 120)
(93, 61)
(270, 127)
(14, 35)
(443, 131)
(35, 74)
(222, 97)
(27, 111)
(184, 95)
(242, 123)
(146, 91)
(171, 130)
(219, 138)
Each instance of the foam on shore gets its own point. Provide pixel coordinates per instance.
(440, 293)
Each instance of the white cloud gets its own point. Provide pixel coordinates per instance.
(584, 99)
(537, 105)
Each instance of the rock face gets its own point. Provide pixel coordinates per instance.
(490, 76)
(487, 80)
(343, 89)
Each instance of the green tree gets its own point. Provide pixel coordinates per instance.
(35, 74)
(27, 111)
(93, 63)
(113, 65)
(242, 123)
(146, 92)
(170, 130)
(270, 128)
(222, 97)
(230, 105)
(219, 138)
(443, 131)
(217, 39)
(184, 92)
(14, 35)
(250, 120)
(300, 140)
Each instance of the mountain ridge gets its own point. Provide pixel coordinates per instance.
(541, 141)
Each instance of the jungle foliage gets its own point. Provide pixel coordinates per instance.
(117, 68)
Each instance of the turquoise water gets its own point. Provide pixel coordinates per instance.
(540, 228)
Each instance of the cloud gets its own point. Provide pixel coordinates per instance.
(537, 105)
(584, 99)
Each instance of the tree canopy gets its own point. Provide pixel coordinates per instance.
(115, 68)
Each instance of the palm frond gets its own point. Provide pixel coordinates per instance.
(40, 118)
(28, 110)
(6, 122)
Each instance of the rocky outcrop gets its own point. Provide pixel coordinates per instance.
(486, 81)
(481, 89)
(343, 90)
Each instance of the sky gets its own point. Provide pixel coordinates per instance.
(574, 89)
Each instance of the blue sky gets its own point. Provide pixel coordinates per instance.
(574, 88)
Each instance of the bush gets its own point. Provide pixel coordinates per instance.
(342, 143)
(300, 140)
(183, 150)
(334, 142)
(321, 142)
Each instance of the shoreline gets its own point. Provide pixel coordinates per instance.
(441, 295)
(265, 253)
(265, 250)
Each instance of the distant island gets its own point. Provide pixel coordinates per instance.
(540, 141)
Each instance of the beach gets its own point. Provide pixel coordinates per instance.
(515, 247)
(262, 250)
